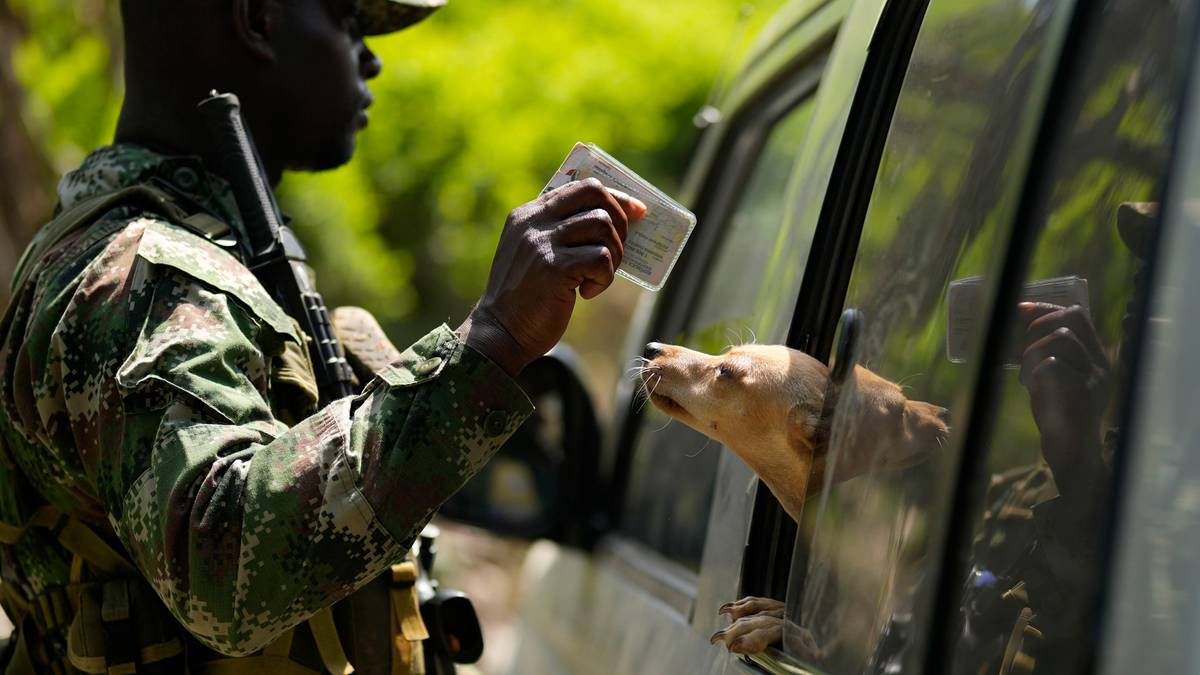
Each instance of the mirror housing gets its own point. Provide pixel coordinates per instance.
(542, 481)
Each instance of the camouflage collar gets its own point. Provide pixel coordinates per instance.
(118, 166)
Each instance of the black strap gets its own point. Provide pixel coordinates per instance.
(85, 214)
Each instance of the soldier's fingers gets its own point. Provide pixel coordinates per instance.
(1063, 346)
(1075, 318)
(591, 267)
(1028, 312)
(633, 207)
(592, 227)
(590, 194)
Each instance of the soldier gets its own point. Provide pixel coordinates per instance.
(158, 418)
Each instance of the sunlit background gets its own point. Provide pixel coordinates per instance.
(474, 110)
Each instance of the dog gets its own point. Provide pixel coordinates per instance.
(772, 406)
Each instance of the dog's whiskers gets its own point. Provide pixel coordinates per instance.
(737, 339)
(707, 440)
(646, 388)
(650, 389)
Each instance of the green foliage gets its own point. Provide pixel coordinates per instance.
(474, 110)
(70, 66)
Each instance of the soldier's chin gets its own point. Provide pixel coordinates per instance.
(331, 155)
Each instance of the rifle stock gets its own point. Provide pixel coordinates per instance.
(277, 258)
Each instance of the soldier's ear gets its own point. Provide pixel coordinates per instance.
(254, 25)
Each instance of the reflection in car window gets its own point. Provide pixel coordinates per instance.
(941, 209)
(674, 467)
(1153, 613)
(1028, 596)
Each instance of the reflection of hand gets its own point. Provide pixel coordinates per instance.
(1067, 372)
(570, 238)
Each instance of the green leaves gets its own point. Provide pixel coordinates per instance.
(474, 110)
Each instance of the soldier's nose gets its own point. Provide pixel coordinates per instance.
(652, 350)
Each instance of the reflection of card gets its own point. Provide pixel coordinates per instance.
(654, 242)
(964, 298)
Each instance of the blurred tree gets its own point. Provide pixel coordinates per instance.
(474, 111)
(59, 92)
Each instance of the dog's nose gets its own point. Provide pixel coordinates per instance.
(944, 414)
(652, 350)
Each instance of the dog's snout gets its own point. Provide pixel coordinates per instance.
(944, 415)
(653, 350)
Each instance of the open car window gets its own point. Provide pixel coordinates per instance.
(673, 468)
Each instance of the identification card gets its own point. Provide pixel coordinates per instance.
(654, 242)
(965, 296)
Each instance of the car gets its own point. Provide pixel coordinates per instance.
(1002, 196)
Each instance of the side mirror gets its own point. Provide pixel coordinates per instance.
(542, 482)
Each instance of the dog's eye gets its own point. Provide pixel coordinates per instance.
(724, 371)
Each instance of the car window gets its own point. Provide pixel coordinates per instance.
(1038, 516)
(1153, 611)
(673, 468)
(941, 209)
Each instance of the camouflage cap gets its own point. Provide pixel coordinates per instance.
(1136, 223)
(378, 17)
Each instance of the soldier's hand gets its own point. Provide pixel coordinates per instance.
(1068, 374)
(568, 240)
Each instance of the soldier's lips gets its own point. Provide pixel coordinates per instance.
(363, 118)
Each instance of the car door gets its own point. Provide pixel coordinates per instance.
(926, 194)
(995, 273)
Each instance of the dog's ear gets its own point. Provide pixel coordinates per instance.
(808, 437)
(802, 426)
(807, 432)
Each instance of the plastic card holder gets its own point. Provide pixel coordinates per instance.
(654, 242)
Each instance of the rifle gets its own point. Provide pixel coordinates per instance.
(280, 264)
(276, 256)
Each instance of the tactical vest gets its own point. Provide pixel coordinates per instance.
(113, 621)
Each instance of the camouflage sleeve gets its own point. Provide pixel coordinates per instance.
(245, 526)
(1071, 540)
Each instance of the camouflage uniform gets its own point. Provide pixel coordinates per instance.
(1030, 581)
(141, 372)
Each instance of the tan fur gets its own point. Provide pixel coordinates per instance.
(767, 404)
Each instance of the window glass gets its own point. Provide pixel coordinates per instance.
(1154, 616)
(674, 468)
(941, 209)
(1034, 552)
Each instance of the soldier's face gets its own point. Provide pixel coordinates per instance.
(321, 95)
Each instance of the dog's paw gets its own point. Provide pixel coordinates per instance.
(751, 605)
(757, 624)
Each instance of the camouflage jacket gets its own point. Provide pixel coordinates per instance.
(139, 375)
(1028, 595)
